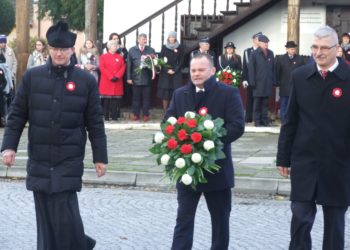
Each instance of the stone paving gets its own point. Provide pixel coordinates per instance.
(253, 154)
(136, 219)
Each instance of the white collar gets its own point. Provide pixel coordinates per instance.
(330, 69)
(199, 90)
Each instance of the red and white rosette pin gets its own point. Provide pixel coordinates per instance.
(70, 86)
(337, 92)
(203, 111)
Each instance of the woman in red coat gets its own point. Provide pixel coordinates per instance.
(112, 69)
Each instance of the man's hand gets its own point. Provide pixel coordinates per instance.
(8, 157)
(171, 72)
(100, 169)
(245, 84)
(129, 82)
(284, 171)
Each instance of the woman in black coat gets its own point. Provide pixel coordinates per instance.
(170, 77)
(230, 60)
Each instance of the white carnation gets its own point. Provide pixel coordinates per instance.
(208, 145)
(165, 159)
(158, 137)
(229, 71)
(186, 179)
(190, 114)
(155, 62)
(172, 120)
(196, 158)
(180, 163)
(165, 60)
(208, 124)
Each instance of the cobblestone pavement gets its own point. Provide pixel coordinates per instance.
(135, 219)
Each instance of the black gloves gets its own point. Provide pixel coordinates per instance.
(114, 79)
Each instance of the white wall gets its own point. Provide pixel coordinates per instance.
(273, 23)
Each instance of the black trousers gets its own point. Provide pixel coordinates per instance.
(261, 106)
(141, 96)
(59, 225)
(219, 206)
(111, 108)
(303, 219)
(249, 105)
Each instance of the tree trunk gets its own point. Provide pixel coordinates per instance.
(293, 20)
(22, 36)
(91, 20)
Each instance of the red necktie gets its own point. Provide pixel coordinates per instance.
(324, 73)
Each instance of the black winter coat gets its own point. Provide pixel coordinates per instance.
(315, 139)
(60, 109)
(134, 61)
(234, 63)
(175, 61)
(283, 69)
(222, 101)
(261, 72)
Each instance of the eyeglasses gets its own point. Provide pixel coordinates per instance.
(315, 48)
(62, 50)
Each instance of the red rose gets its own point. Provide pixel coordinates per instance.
(186, 148)
(181, 120)
(169, 129)
(203, 111)
(182, 135)
(192, 123)
(196, 137)
(172, 143)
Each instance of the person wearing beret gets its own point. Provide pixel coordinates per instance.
(284, 65)
(313, 146)
(261, 70)
(245, 81)
(230, 60)
(204, 47)
(170, 77)
(61, 104)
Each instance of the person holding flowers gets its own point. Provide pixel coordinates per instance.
(203, 94)
(170, 77)
(141, 82)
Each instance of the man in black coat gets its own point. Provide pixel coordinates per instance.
(204, 48)
(141, 82)
(61, 104)
(245, 78)
(314, 144)
(261, 70)
(221, 101)
(285, 64)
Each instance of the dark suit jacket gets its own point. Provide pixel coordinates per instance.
(222, 101)
(261, 72)
(315, 139)
(246, 57)
(134, 61)
(283, 68)
(232, 63)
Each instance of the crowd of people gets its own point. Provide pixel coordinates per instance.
(60, 100)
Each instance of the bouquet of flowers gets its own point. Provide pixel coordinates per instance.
(189, 146)
(230, 77)
(153, 63)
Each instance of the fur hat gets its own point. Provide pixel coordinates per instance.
(59, 36)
